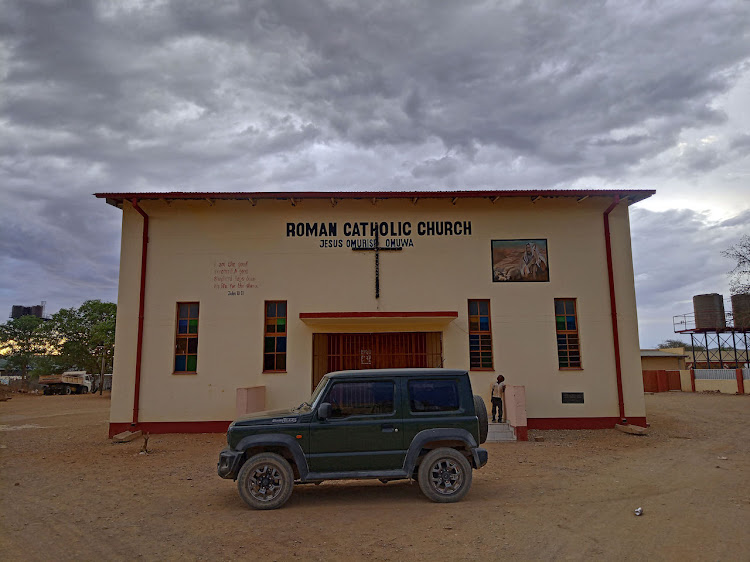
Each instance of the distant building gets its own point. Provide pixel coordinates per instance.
(107, 381)
(19, 310)
(664, 370)
(663, 359)
(7, 376)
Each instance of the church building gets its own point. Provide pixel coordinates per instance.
(245, 301)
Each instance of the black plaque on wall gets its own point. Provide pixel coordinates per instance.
(572, 397)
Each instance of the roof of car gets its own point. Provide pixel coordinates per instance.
(395, 373)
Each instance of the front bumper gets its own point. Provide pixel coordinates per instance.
(229, 463)
(480, 457)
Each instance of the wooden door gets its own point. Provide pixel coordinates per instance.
(399, 350)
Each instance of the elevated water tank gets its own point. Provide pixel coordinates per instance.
(19, 310)
(741, 311)
(709, 312)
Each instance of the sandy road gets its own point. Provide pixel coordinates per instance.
(68, 493)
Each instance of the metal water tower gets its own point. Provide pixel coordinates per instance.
(722, 344)
(741, 311)
(709, 312)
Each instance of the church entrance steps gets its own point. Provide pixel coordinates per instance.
(499, 432)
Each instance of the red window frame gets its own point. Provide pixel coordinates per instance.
(568, 338)
(480, 336)
(274, 337)
(186, 338)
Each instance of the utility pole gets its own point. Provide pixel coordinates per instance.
(101, 378)
(101, 350)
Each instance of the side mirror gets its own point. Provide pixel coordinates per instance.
(324, 411)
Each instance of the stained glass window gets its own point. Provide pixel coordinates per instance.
(566, 324)
(274, 337)
(480, 335)
(186, 340)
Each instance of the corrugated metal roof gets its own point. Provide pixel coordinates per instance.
(632, 195)
(660, 353)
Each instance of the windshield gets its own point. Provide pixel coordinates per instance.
(318, 390)
(307, 406)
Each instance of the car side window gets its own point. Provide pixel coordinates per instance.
(361, 398)
(433, 396)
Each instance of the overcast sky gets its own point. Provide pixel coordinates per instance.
(314, 95)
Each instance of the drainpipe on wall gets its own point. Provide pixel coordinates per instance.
(142, 297)
(613, 306)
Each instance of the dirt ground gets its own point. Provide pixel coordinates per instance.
(68, 493)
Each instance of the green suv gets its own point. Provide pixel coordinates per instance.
(385, 424)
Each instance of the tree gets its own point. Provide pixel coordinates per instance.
(82, 336)
(45, 364)
(22, 339)
(739, 277)
(667, 344)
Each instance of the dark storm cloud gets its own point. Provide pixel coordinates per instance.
(742, 221)
(701, 159)
(540, 83)
(113, 95)
(674, 250)
(741, 142)
(678, 254)
(435, 167)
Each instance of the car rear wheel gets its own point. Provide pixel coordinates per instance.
(444, 475)
(265, 481)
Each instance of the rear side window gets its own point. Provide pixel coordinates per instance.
(361, 398)
(433, 396)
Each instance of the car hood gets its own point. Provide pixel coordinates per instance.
(269, 417)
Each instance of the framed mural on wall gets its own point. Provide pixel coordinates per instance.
(522, 260)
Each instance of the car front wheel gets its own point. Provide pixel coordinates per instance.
(444, 475)
(265, 481)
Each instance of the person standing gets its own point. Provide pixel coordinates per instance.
(498, 390)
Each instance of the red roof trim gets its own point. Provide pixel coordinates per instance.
(634, 194)
(429, 314)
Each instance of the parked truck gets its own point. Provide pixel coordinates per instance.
(70, 382)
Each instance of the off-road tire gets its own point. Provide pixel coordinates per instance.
(68, 390)
(444, 475)
(265, 481)
(481, 411)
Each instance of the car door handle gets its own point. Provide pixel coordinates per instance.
(388, 428)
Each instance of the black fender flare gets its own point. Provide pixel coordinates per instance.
(277, 440)
(428, 435)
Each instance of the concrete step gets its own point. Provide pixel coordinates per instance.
(498, 432)
(493, 431)
(501, 438)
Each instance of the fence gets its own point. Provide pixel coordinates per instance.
(715, 374)
(728, 381)
(661, 381)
